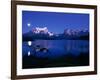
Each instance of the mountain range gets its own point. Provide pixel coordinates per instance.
(43, 33)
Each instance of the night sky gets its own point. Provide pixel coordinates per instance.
(55, 22)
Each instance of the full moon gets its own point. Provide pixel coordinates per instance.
(28, 24)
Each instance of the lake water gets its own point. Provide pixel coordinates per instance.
(56, 48)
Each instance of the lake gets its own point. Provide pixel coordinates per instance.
(58, 51)
(58, 48)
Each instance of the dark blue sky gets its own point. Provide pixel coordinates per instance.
(55, 22)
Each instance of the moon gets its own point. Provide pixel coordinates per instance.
(28, 24)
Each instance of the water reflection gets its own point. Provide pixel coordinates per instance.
(55, 53)
(58, 47)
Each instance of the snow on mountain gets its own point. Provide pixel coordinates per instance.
(43, 30)
(69, 32)
(44, 33)
(75, 32)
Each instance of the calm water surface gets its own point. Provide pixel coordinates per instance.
(56, 48)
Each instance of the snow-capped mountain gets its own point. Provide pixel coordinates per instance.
(69, 32)
(44, 33)
(43, 30)
(77, 32)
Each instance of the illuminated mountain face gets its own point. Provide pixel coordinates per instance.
(43, 30)
(75, 32)
(44, 33)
